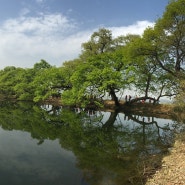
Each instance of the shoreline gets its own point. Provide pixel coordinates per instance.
(170, 166)
(144, 109)
(158, 110)
(172, 170)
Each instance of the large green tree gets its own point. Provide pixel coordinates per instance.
(103, 70)
(160, 52)
(170, 37)
(150, 79)
(95, 79)
(164, 42)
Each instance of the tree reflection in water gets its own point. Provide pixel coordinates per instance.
(111, 147)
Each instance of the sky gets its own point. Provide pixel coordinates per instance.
(53, 30)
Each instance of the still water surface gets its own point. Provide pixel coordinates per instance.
(47, 145)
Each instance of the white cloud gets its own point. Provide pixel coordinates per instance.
(136, 28)
(52, 37)
(41, 25)
(26, 40)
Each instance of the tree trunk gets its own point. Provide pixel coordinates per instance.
(114, 97)
(147, 85)
(177, 66)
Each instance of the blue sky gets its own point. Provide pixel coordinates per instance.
(53, 30)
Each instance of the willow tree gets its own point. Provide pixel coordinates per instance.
(150, 78)
(172, 30)
(94, 80)
(170, 38)
(161, 51)
(103, 70)
(164, 42)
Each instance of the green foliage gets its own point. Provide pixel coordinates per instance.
(9, 77)
(104, 69)
(24, 90)
(159, 53)
(48, 84)
(151, 63)
(100, 42)
(41, 65)
(97, 77)
(171, 31)
(180, 99)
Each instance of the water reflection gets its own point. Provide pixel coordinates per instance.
(78, 146)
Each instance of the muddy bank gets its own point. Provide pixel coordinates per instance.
(157, 110)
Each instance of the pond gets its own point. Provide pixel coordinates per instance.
(46, 145)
